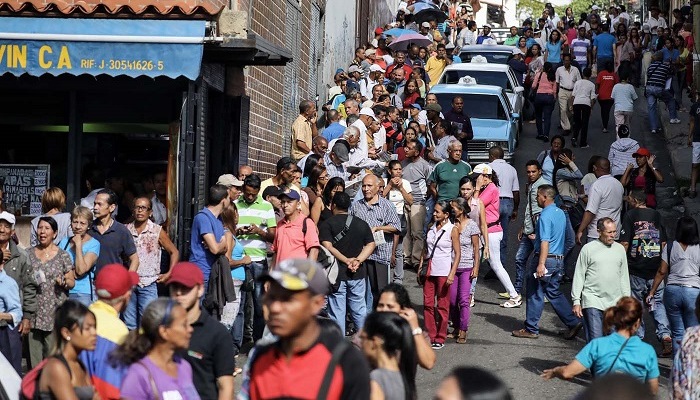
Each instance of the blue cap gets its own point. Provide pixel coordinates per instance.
(292, 194)
(417, 106)
(339, 70)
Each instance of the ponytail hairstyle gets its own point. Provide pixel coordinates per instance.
(398, 342)
(140, 341)
(548, 68)
(445, 205)
(623, 315)
(70, 315)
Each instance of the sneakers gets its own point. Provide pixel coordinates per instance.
(523, 333)
(571, 333)
(471, 301)
(675, 121)
(585, 146)
(654, 131)
(504, 295)
(513, 302)
(667, 347)
(437, 346)
(574, 142)
(605, 130)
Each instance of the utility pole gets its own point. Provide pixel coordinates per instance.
(696, 54)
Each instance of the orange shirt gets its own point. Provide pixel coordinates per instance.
(289, 240)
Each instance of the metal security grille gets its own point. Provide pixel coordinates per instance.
(315, 47)
(291, 73)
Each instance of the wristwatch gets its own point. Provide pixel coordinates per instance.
(417, 331)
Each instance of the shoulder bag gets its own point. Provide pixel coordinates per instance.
(424, 273)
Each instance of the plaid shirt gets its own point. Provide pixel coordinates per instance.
(335, 170)
(378, 214)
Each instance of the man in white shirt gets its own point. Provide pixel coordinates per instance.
(584, 96)
(367, 84)
(566, 77)
(655, 21)
(467, 36)
(509, 193)
(604, 200)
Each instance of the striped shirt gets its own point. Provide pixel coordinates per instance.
(658, 73)
(260, 213)
(381, 213)
(580, 49)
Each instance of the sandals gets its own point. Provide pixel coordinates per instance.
(462, 338)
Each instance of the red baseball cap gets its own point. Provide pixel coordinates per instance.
(186, 274)
(114, 280)
(378, 31)
(642, 152)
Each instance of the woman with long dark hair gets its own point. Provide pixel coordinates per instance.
(64, 375)
(644, 177)
(321, 209)
(567, 177)
(394, 298)
(468, 383)
(620, 351)
(680, 267)
(553, 48)
(316, 181)
(155, 368)
(548, 158)
(546, 87)
(387, 342)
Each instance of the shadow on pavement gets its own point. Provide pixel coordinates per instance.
(506, 322)
(538, 365)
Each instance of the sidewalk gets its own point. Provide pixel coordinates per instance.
(676, 137)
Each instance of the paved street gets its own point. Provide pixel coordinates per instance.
(520, 361)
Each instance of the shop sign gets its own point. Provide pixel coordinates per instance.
(22, 187)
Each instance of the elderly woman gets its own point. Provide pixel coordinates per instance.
(83, 250)
(53, 271)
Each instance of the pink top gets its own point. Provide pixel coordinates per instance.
(442, 258)
(543, 84)
(492, 204)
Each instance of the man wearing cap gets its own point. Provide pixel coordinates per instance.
(207, 238)
(232, 183)
(294, 300)
(370, 56)
(373, 79)
(517, 64)
(433, 114)
(367, 117)
(485, 34)
(11, 317)
(530, 40)
(334, 160)
(15, 263)
(116, 243)
(256, 228)
(380, 214)
(467, 36)
(113, 286)
(304, 129)
(210, 352)
(425, 31)
(595, 12)
(437, 63)
(297, 235)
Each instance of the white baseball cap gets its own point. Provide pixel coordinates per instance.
(6, 216)
(376, 68)
(517, 51)
(368, 111)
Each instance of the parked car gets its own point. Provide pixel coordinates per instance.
(493, 120)
(489, 74)
(494, 53)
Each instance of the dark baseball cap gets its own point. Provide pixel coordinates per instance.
(299, 274)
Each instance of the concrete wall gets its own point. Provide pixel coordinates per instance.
(339, 40)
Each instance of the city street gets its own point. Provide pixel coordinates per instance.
(490, 344)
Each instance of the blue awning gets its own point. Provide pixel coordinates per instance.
(38, 46)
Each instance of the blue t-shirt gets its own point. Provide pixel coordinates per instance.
(82, 285)
(551, 227)
(604, 44)
(333, 131)
(236, 254)
(670, 55)
(637, 359)
(530, 42)
(554, 52)
(204, 222)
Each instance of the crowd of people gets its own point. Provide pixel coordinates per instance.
(378, 182)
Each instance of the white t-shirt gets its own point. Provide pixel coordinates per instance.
(684, 265)
(624, 96)
(395, 196)
(605, 200)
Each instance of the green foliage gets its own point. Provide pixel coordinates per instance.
(533, 8)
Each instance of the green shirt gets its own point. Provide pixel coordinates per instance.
(511, 41)
(261, 214)
(601, 276)
(446, 176)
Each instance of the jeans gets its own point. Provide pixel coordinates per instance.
(654, 93)
(505, 211)
(239, 324)
(547, 285)
(525, 248)
(259, 268)
(85, 299)
(11, 346)
(459, 299)
(640, 290)
(605, 107)
(544, 106)
(436, 316)
(680, 308)
(415, 235)
(582, 113)
(495, 261)
(429, 207)
(230, 311)
(397, 269)
(592, 323)
(140, 298)
(351, 293)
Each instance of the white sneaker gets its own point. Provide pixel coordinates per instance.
(675, 121)
(513, 302)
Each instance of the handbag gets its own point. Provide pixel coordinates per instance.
(424, 273)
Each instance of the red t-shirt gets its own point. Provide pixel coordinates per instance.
(290, 242)
(606, 80)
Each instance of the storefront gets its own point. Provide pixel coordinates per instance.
(126, 98)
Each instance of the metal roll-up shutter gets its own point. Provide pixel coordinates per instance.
(292, 41)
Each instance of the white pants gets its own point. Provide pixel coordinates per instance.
(495, 261)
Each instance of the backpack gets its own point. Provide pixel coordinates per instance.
(29, 389)
(327, 260)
